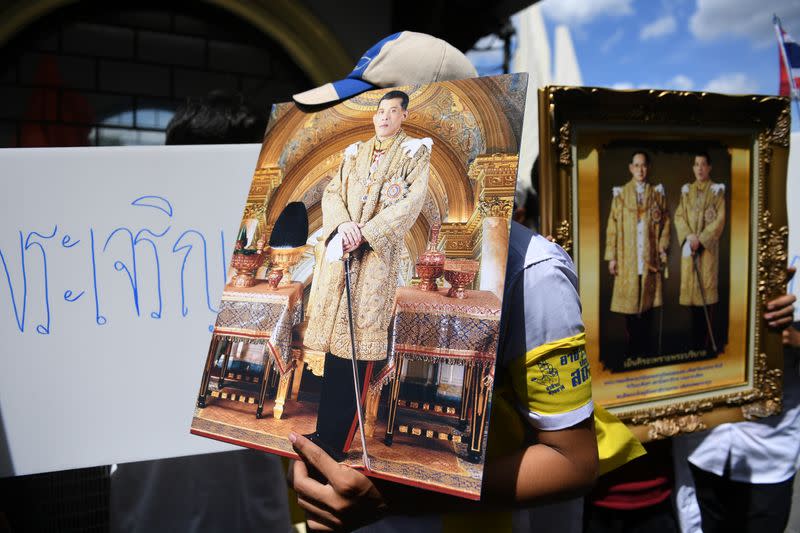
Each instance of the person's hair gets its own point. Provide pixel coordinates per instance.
(220, 118)
(701, 154)
(391, 95)
(645, 154)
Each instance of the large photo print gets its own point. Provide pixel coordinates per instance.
(372, 251)
(666, 251)
(670, 262)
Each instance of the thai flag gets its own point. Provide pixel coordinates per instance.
(789, 58)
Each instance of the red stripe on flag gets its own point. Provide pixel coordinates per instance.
(784, 88)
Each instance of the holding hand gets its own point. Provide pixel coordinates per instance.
(351, 235)
(343, 500)
(780, 311)
(791, 337)
(612, 267)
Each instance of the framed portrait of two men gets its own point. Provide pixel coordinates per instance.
(672, 205)
(372, 250)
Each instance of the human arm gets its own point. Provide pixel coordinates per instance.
(334, 198)
(713, 229)
(611, 231)
(560, 461)
(341, 498)
(562, 464)
(682, 229)
(548, 383)
(663, 238)
(334, 496)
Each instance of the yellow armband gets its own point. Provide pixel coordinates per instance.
(552, 382)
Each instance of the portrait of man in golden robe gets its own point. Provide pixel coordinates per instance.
(699, 221)
(637, 239)
(366, 210)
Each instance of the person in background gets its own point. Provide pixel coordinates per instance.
(543, 446)
(639, 496)
(739, 477)
(548, 453)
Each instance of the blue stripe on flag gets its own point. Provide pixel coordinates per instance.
(793, 54)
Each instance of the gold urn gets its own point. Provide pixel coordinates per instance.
(282, 260)
(245, 263)
(460, 273)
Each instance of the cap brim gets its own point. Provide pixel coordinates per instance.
(331, 92)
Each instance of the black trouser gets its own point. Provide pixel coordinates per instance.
(727, 505)
(337, 420)
(701, 340)
(658, 518)
(640, 334)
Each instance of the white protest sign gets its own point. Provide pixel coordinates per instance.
(112, 262)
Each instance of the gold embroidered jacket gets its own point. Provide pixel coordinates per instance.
(701, 212)
(633, 293)
(387, 201)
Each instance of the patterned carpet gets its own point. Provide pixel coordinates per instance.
(417, 461)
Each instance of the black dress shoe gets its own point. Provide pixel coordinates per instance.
(327, 448)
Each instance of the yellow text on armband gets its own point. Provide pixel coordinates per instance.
(553, 378)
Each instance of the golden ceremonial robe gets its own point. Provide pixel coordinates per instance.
(387, 199)
(633, 293)
(701, 212)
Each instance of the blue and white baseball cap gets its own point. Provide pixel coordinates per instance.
(402, 58)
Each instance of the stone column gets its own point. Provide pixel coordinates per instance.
(265, 181)
(496, 175)
(494, 252)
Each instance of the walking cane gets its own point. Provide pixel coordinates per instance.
(364, 454)
(695, 260)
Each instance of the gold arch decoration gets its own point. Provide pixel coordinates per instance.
(473, 163)
(311, 45)
(462, 124)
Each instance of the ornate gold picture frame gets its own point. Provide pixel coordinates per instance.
(674, 327)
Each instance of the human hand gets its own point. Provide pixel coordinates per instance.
(612, 267)
(351, 235)
(791, 337)
(662, 254)
(344, 500)
(350, 248)
(780, 310)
